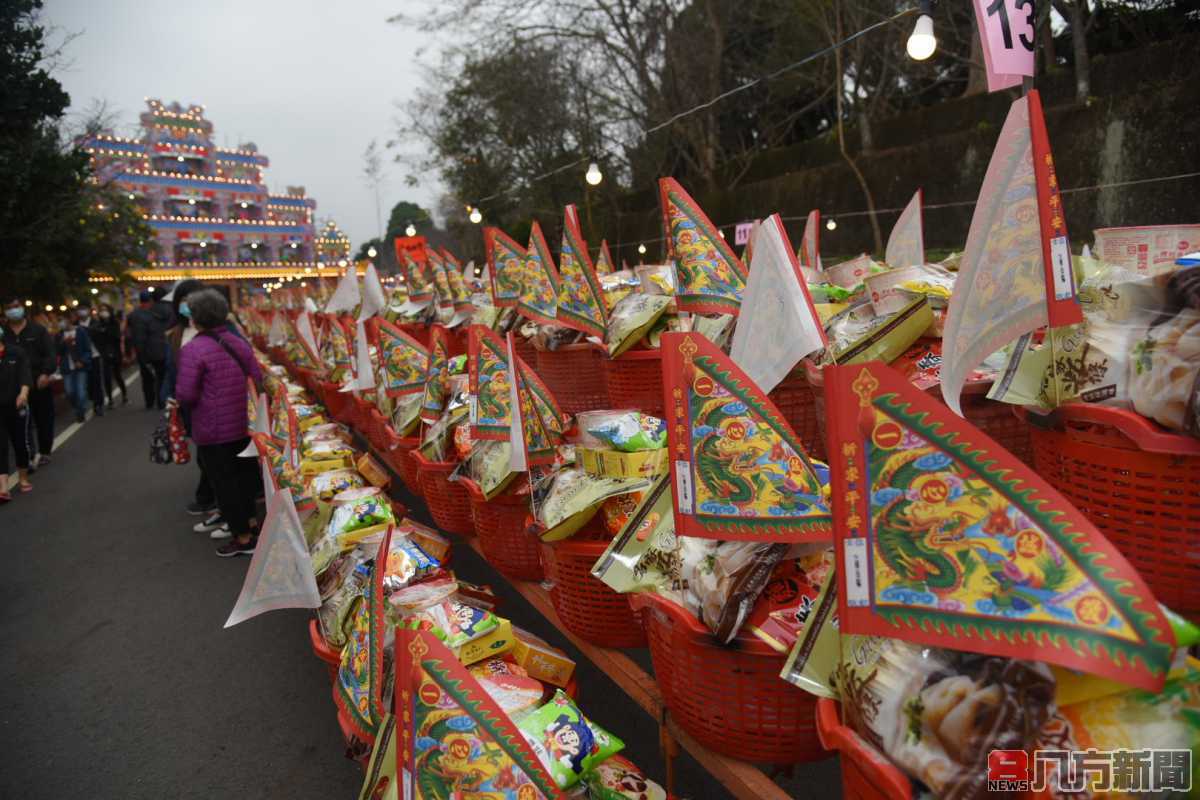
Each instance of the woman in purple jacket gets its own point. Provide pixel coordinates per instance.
(211, 383)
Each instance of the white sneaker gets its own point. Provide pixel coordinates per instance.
(221, 533)
(210, 523)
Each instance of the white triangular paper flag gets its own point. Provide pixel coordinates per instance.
(362, 355)
(305, 329)
(906, 244)
(516, 431)
(775, 300)
(280, 573)
(277, 336)
(345, 296)
(268, 480)
(310, 305)
(373, 299)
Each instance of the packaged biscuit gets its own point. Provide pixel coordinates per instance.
(567, 742)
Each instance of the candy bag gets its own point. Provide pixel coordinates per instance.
(324, 485)
(406, 563)
(630, 431)
(618, 778)
(567, 743)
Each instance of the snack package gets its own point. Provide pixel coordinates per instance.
(407, 413)
(1165, 381)
(938, 714)
(429, 540)
(619, 779)
(857, 334)
(788, 599)
(324, 485)
(413, 599)
(539, 659)
(724, 580)
(515, 694)
(618, 510)
(406, 563)
(574, 496)
(490, 467)
(309, 415)
(327, 448)
(657, 279)
(630, 431)
(618, 285)
(567, 742)
(357, 513)
(645, 554)
(631, 318)
(497, 666)
(334, 615)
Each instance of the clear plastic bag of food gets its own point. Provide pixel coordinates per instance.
(628, 431)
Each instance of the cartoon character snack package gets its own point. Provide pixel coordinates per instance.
(406, 563)
(618, 778)
(630, 431)
(358, 513)
(567, 743)
(939, 713)
(324, 485)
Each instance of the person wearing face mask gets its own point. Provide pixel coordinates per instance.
(16, 381)
(106, 335)
(75, 361)
(38, 345)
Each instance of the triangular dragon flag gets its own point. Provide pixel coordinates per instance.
(810, 242)
(776, 299)
(441, 281)
(711, 277)
(537, 439)
(277, 336)
(437, 376)
(1015, 275)
(450, 732)
(280, 573)
(580, 298)
(358, 690)
(487, 361)
(459, 295)
(346, 295)
(373, 299)
(336, 352)
(403, 358)
(364, 371)
(550, 413)
(308, 336)
(539, 282)
(604, 262)
(419, 280)
(739, 470)
(906, 243)
(945, 539)
(505, 266)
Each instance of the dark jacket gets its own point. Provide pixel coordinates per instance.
(106, 334)
(147, 331)
(76, 354)
(212, 386)
(38, 345)
(14, 373)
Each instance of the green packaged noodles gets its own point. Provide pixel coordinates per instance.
(630, 431)
(357, 509)
(567, 743)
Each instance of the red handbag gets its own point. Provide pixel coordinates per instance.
(177, 435)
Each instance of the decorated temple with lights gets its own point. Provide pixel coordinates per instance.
(209, 207)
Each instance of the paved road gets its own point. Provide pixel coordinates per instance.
(120, 682)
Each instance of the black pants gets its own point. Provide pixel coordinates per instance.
(110, 367)
(205, 496)
(233, 481)
(153, 373)
(41, 405)
(14, 427)
(95, 386)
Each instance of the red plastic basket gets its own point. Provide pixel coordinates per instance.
(500, 526)
(400, 458)
(1137, 483)
(448, 501)
(866, 774)
(416, 330)
(330, 657)
(361, 421)
(635, 380)
(994, 418)
(794, 399)
(586, 606)
(730, 699)
(379, 431)
(575, 376)
(525, 350)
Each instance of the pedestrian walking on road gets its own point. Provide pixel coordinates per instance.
(106, 335)
(211, 385)
(148, 325)
(38, 343)
(16, 381)
(75, 363)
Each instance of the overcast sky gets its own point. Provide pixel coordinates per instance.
(311, 83)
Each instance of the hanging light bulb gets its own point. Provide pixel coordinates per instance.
(831, 224)
(642, 249)
(95, 290)
(475, 216)
(372, 252)
(411, 230)
(593, 175)
(922, 42)
(28, 303)
(720, 233)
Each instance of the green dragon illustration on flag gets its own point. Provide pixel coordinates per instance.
(946, 539)
(437, 376)
(740, 471)
(711, 277)
(539, 281)
(580, 297)
(506, 265)
(459, 294)
(420, 279)
(404, 359)
(359, 688)
(487, 364)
